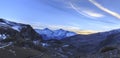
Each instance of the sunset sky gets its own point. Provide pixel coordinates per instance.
(98, 15)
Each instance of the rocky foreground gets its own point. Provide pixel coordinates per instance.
(22, 41)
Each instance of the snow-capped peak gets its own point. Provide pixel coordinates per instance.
(10, 24)
(54, 34)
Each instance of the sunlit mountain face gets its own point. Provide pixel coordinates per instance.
(96, 15)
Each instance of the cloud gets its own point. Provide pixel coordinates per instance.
(88, 13)
(105, 9)
(93, 14)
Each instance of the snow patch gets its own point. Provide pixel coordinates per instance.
(3, 36)
(36, 42)
(17, 28)
(6, 45)
(65, 45)
(44, 44)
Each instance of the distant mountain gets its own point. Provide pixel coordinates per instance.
(22, 41)
(94, 43)
(48, 34)
(115, 31)
(103, 44)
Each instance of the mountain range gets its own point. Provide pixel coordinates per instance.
(59, 34)
(19, 40)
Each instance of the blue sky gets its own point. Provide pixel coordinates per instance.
(98, 15)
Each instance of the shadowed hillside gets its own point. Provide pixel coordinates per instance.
(22, 41)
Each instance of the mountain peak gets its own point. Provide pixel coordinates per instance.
(11, 27)
(61, 29)
(46, 29)
(2, 20)
(54, 34)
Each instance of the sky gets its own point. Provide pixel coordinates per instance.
(98, 15)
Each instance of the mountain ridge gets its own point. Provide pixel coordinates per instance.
(59, 34)
(24, 39)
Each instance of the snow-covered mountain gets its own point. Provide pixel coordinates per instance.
(54, 34)
(13, 25)
(16, 38)
(17, 33)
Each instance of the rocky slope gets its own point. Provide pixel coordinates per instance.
(96, 44)
(21, 41)
(24, 30)
(103, 45)
(17, 33)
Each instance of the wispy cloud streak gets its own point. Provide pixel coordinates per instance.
(87, 13)
(92, 13)
(75, 8)
(105, 9)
